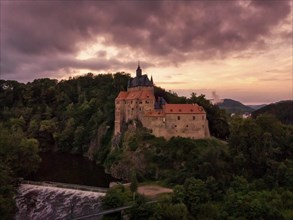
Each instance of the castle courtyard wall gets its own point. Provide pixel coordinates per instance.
(184, 125)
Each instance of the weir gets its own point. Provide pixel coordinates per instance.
(66, 186)
(47, 200)
(52, 200)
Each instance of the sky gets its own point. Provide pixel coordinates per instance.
(239, 49)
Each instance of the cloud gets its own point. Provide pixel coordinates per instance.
(46, 36)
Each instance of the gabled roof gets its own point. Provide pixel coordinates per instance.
(146, 94)
(133, 95)
(139, 94)
(122, 95)
(183, 109)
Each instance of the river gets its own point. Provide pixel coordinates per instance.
(69, 168)
(47, 202)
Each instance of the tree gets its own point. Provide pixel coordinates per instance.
(133, 184)
(164, 209)
(114, 198)
(196, 194)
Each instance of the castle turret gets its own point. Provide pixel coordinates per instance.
(138, 71)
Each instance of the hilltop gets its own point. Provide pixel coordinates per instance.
(77, 115)
(233, 106)
(210, 178)
(282, 110)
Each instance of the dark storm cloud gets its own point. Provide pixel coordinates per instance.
(45, 36)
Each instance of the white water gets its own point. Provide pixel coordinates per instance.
(47, 202)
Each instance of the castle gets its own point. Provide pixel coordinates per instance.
(161, 118)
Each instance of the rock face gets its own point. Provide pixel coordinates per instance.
(95, 144)
(45, 202)
(131, 155)
(131, 161)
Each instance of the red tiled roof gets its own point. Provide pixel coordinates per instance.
(146, 94)
(155, 113)
(140, 94)
(133, 95)
(183, 109)
(122, 95)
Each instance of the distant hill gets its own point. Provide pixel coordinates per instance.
(256, 107)
(281, 110)
(232, 106)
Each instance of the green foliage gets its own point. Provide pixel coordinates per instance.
(281, 110)
(18, 157)
(7, 192)
(253, 205)
(114, 198)
(62, 115)
(179, 194)
(170, 97)
(133, 184)
(141, 209)
(196, 193)
(259, 148)
(250, 177)
(18, 152)
(165, 209)
(114, 157)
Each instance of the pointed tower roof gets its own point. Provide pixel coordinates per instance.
(138, 71)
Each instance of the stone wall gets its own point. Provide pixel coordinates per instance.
(192, 125)
(184, 125)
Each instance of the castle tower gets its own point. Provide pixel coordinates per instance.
(138, 71)
(163, 119)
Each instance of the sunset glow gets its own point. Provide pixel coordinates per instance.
(239, 49)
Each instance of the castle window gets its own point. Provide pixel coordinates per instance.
(187, 126)
(178, 117)
(131, 102)
(179, 110)
(193, 117)
(171, 110)
(175, 126)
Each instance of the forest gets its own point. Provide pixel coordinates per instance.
(244, 172)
